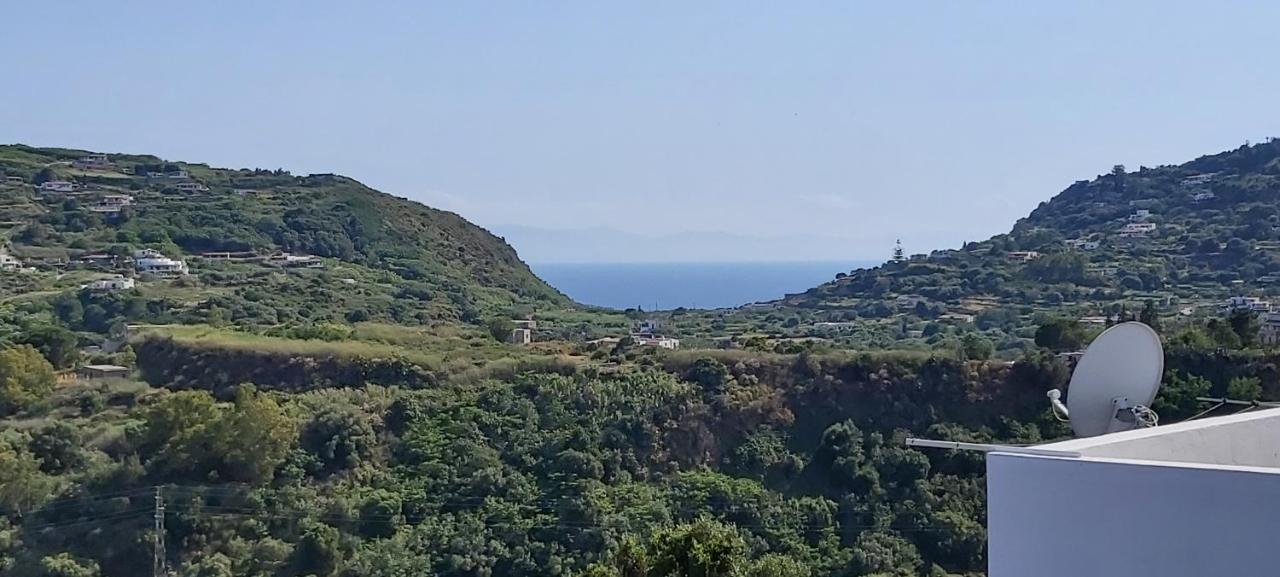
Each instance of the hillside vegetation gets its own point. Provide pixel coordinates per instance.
(360, 414)
(382, 257)
(1214, 232)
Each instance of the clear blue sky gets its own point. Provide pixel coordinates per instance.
(818, 130)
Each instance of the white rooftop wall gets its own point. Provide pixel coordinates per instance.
(1200, 498)
(1056, 517)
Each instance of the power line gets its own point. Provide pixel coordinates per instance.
(535, 508)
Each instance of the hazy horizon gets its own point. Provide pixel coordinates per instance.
(725, 131)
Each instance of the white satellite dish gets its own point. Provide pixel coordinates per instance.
(1115, 382)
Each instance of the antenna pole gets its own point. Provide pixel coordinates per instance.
(158, 564)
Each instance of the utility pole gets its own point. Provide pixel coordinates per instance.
(158, 565)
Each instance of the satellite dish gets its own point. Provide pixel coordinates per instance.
(1115, 382)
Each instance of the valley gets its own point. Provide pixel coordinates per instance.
(317, 378)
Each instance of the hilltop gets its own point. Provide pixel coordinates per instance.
(1174, 240)
(265, 247)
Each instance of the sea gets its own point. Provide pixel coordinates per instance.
(663, 286)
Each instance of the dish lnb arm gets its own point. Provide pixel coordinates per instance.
(1059, 410)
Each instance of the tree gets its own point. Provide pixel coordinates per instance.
(774, 565)
(57, 344)
(709, 374)
(880, 553)
(188, 434)
(57, 446)
(318, 552)
(25, 377)
(1177, 398)
(1192, 338)
(1245, 324)
(1058, 268)
(703, 549)
(1150, 316)
(1060, 334)
(43, 175)
(339, 437)
(64, 565)
(253, 438)
(1244, 389)
(380, 514)
(500, 328)
(1222, 334)
(1237, 248)
(22, 486)
(974, 347)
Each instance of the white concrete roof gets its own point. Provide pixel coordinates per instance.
(1243, 440)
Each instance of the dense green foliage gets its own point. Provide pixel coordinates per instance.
(367, 419)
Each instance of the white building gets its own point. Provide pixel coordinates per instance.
(287, 260)
(649, 326)
(1140, 215)
(1252, 303)
(1269, 331)
(149, 261)
(657, 341)
(1022, 255)
(1198, 179)
(521, 336)
(1083, 244)
(116, 283)
(117, 199)
(95, 160)
(9, 262)
(1137, 229)
(112, 203)
(191, 186)
(58, 186)
(1189, 499)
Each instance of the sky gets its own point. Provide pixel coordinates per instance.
(660, 131)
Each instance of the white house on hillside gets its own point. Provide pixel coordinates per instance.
(1140, 215)
(58, 186)
(149, 261)
(1198, 179)
(9, 262)
(657, 341)
(94, 160)
(1137, 229)
(1252, 303)
(115, 283)
(191, 186)
(112, 203)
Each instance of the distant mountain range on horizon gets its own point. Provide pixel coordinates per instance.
(603, 244)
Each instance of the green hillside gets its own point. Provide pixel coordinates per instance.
(1214, 233)
(349, 416)
(380, 257)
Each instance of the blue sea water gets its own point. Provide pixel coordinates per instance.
(692, 285)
